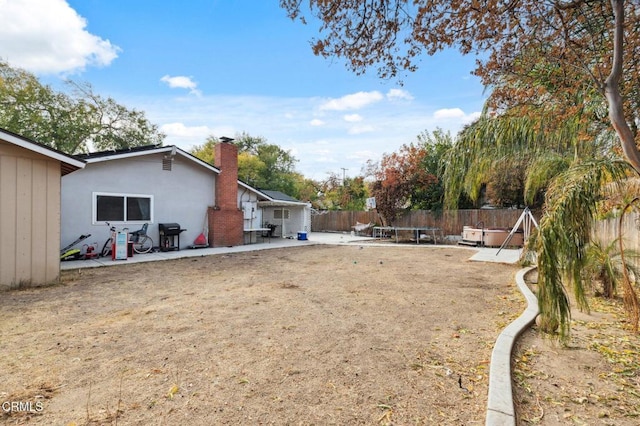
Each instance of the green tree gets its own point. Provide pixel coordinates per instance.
(74, 122)
(260, 164)
(279, 169)
(306, 189)
(528, 151)
(435, 144)
(355, 193)
(248, 143)
(251, 168)
(115, 126)
(401, 180)
(338, 193)
(412, 177)
(206, 151)
(330, 193)
(604, 266)
(505, 186)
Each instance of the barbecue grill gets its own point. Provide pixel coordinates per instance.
(170, 236)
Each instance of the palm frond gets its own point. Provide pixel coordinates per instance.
(564, 235)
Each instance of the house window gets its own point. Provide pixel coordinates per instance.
(281, 214)
(122, 208)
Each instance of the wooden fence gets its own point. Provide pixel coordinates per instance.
(606, 231)
(450, 223)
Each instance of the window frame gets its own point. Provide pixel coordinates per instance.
(94, 209)
(284, 212)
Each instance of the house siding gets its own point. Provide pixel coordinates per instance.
(29, 217)
(173, 201)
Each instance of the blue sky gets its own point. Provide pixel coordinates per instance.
(222, 67)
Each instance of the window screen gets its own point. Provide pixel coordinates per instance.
(280, 214)
(138, 208)
(123, 208)
(109, 208)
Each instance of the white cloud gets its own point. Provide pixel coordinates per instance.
(358, 130)
(49, 37)
(353, 101)
(181, 82)
(456, 115)
(472, 117)
(321, 145)
(363, 156)
(325, 156)
(399, 94)
(187, 137)
(352, 118)
(179, 130)
(448, 113)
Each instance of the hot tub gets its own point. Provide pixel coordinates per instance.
(472, 235)
(491, 237)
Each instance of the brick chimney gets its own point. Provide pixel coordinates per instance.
(225, 218)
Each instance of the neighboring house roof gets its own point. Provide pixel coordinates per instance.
(277, 198)
(68, 163)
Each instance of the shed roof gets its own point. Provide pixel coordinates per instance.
(279, 199)
(68, 163)
(279, 196)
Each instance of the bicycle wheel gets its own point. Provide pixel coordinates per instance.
(143, 245)
(106, 248)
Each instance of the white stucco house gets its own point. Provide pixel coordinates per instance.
(160, 185)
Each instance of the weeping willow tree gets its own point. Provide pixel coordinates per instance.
(543, 148)
(571, 170)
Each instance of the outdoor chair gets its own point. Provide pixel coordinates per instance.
(360, 227)
(270, 232)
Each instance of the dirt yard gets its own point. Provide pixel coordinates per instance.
(313, 335)
(592, 380)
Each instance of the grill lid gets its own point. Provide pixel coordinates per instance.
(170, 228)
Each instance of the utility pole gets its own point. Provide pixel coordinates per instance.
(343, 174)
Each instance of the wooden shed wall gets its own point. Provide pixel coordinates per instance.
(29, 217)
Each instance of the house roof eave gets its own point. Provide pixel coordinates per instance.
(68, 162)
(170, 149)
(279, 203)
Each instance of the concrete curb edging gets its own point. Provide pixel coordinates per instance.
(500, 408)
